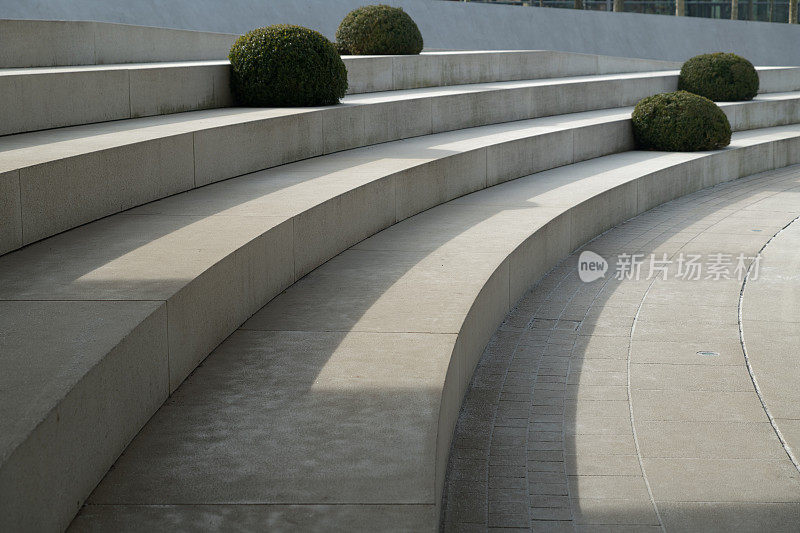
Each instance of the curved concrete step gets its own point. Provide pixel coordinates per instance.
(178, 276)
(625, 402)
(174, 311)
(56, 97)
(345, 388)
(52, 181)
(285, 221)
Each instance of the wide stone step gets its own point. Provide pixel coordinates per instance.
(56, 97)
(54, 180)
(178, 276)
(344, 390)
(174, 278)
(623, 402)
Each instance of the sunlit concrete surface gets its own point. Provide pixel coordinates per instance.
(623, 403)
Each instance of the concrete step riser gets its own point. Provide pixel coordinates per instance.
(534, 257)
(48, 198)
(54, 98)
(48, 98)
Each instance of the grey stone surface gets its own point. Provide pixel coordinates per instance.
(74, 175)
(364, 293)
(212, 257)
(770, 310)
(80, 379)
(712, 460)
(53, 97)
(11, 230)
(456, 25)
(245, 517)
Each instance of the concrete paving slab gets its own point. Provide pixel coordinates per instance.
(740, 480)
(605, 512)
(695, 377)
(140, 518)
(697, 405)
(726, 516)
(212, 401)
(696, 414)
(712, 440)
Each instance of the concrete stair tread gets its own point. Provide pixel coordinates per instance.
(76, 139)
(73, 140)
(189, 261)
(62, 96)
(177, 276)
(241, 209)
(371, 352)
(54, 180)
(152, 252)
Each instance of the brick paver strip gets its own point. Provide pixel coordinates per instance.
(629, 402)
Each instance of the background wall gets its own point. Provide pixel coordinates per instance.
(454, 25)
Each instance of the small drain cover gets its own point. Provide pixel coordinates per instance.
(706, 353)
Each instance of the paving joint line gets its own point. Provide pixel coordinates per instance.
(772, 421)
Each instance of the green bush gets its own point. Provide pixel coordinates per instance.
(680, 122)
(286, 65)
(378, 30)
(719, 77)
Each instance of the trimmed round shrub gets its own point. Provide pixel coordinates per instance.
(378, 30)
(719, 77)
(286, 65)
(680, 122)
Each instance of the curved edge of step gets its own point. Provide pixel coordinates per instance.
(206, 310)
(116, 169)
(60, 97)
(57, 180)
(246, 267)
(556, 239)
(56, 97)
(608, 191)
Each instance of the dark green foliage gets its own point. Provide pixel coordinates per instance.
(719, 77)
(286, 65)
(680, 122)
(378, 30)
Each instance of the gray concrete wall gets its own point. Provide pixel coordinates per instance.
(453, 25)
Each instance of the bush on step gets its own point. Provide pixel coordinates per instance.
(378, 30)
(719, 77)
(680, 122)
(286, 65)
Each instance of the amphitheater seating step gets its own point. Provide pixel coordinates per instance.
(111, 302)
(659, 397)
(353, 377)
(53, 97)
(57, 179)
